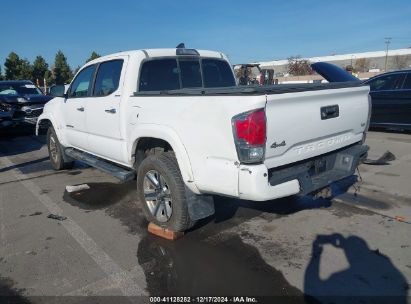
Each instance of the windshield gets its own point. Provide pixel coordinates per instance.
(19, 89)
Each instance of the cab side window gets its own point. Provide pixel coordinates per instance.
(108, 77)
(407, 82)
(388, 82)
(81, 86)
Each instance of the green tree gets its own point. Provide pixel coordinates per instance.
(62, 71)
(25, 70)
(11, 65)
(1, 74)
(16, 68)
(93, 56)
(40, 68)
(49, 78)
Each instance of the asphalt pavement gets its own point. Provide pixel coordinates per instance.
(355, 246)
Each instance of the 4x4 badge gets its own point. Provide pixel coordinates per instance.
(275, 145)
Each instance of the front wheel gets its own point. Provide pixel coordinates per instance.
(161, 190)
(55, 152)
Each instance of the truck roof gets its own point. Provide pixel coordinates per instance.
(159, 53)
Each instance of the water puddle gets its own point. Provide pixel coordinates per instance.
(99, 196)
(222, 265)
(117, 200)
(365, 201)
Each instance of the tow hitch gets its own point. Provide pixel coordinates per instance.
(323, 193)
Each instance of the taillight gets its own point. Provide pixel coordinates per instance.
(250, 135)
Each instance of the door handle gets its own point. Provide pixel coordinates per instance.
(330, 112)
(111, 111)
(81, 109)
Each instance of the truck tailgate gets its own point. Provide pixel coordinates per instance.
(306, 124)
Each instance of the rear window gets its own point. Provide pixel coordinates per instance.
(217, 73)
(159, 75)
(180, 73)
(190, 74)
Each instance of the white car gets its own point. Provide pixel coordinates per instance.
(175, 119)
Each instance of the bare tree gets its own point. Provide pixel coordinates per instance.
(362, 65)
(400, 62)
(299, 67)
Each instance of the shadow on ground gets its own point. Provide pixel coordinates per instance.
(370, 278)
(11, 142)
(40, 164)
(9, 294)
(230, 212)
(389, 130)
(120, 201)
(225, 266)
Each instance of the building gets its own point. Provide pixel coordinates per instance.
(361, 62)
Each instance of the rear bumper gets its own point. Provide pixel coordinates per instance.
(260, 184)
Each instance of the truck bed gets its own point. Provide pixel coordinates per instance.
(255, 90)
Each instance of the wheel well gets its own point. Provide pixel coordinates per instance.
(43, 126)
(147, 146)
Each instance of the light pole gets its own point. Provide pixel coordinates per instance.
(387, 42)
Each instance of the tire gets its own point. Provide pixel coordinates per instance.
(168, 205)
(55, 152)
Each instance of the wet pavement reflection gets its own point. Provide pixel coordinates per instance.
(222, 265)
(213, 260)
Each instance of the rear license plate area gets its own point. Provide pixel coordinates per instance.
(318, 166)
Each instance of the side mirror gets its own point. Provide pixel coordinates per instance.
(57, 91)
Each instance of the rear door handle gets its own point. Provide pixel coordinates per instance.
(111, 111)
(81, 109)
(330, 112)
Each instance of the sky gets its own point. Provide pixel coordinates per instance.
(247, 31)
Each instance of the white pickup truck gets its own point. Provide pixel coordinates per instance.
(175, 120)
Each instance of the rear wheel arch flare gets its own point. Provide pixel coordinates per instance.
(164, 144)
(145, 146)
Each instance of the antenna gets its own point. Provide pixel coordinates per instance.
(181, 46)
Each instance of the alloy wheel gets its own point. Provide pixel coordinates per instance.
(157, 195)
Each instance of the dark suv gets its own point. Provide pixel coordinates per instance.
(391, 100)
(21, 102)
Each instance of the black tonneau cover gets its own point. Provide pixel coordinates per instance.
(254, 90)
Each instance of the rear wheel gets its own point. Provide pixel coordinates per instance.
(161, 191)
(55, 152)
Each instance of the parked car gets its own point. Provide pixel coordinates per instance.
(175, 118)
(390, 95)
(391, 100)
(6, 114)
(21, 102)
